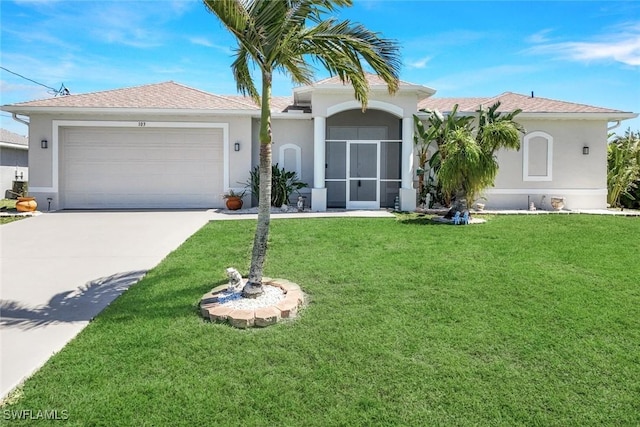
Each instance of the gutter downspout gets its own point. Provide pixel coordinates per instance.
(618, 123)
(18, 119)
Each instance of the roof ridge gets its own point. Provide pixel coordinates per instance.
(367, 75)
(74, 95)
(580, 104)
(496, 98)
(571, 102)
(227, 97)
(512, 100)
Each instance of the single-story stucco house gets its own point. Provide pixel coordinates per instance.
(167, 145)
(14, 158)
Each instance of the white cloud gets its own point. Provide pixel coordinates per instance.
(201, 41)
(621, 46)
(481, 77)
(418, 63)
(539, 37)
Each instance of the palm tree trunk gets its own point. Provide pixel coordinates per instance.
(253, 288)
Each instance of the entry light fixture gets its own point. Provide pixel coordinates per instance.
(236, 146)
(585, 150)
(44, 143)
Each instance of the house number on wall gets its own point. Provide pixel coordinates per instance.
(142, 124)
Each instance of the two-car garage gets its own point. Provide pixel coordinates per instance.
(141, 165)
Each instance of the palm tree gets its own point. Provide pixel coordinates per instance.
(496, 131)
(281, 36)
(465, 165)
(439, 131)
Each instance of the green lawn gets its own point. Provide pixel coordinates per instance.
(9, 205)
(525, 320)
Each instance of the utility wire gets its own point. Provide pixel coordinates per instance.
(62, 91)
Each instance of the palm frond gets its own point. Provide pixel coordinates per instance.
(242, 75)
(500, 134)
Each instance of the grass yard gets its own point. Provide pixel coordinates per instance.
(525, 320)
(10, 205)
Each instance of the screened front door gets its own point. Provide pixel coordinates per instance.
(363, 172)
(362, 168)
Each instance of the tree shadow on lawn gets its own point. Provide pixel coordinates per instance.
(421, 220)
(81, 304)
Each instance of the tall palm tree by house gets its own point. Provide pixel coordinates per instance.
(468, 164)
(465, 163)
(282, 36)
(438, 131)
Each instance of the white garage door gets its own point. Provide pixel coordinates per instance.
(141, 168)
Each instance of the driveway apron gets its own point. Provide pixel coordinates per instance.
(59, 270)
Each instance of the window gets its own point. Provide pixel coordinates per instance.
(291, 159)
(537, 157)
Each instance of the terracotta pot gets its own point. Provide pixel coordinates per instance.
(557, 203)
(26, 204)
(234, 203)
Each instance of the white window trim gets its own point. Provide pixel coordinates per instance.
(525, 157)
(298, 153)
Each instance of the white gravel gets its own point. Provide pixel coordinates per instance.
(272, 295)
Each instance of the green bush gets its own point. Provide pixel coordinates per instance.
(623, 170)
(283, 184)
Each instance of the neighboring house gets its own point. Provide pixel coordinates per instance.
(13, 160)
(170, 146)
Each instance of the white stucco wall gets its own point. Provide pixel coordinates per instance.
(295, 133)
(579, 178)
(370, 117)
(13, 166)
(324, 102)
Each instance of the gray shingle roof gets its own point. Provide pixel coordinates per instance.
(511, 101)
(13, 138)
(167, 95)
(175, 96)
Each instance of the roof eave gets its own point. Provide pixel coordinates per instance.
(613, 116)
(424, 91)
(609, 116)
(14, 146)
(27, 110)
(291, 116)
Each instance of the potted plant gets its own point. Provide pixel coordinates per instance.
(233, 199)
(25, 203)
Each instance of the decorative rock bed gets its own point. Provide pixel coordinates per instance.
(277, 304)
(443, 220)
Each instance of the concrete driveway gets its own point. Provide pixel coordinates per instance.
(58, 270)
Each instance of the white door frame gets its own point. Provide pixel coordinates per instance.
(374, 204)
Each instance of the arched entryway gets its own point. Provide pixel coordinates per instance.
(363, 167)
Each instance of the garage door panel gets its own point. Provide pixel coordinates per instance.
(142, 168)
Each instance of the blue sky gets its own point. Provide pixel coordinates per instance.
(580, 51)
